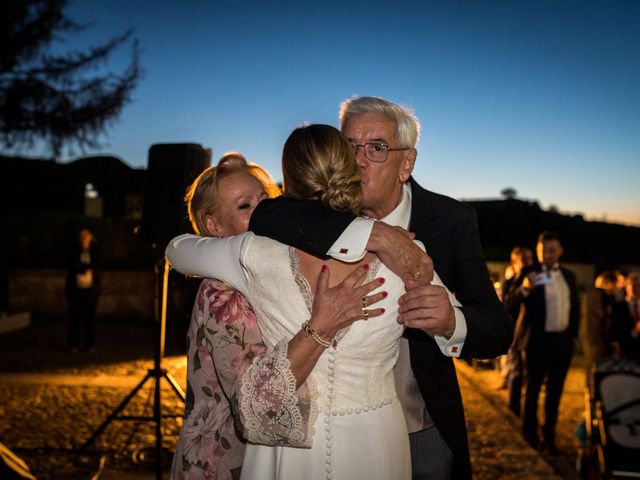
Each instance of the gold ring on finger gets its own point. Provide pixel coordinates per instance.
(365, 314)
(416, 275)
(364, 302)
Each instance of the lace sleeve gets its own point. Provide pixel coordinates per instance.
(255, 381)
(272, 412)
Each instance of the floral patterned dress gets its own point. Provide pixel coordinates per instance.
(225, 353)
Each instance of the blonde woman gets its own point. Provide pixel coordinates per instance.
(224, 342)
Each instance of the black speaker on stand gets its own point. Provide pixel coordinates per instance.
(171, 169)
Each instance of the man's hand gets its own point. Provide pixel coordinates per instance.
(428, 308)
(395, 248)
(535, 279)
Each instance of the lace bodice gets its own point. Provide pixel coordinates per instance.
(358, 372)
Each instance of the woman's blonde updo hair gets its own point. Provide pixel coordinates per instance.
(318, 164)
(202, 195)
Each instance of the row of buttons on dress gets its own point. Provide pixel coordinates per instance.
(327, 419)
(333, 413)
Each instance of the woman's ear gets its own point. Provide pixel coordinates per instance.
(212, 225)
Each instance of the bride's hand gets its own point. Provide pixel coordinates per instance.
(338, 307)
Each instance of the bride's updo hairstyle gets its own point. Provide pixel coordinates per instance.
(202, 195)
(318, 164)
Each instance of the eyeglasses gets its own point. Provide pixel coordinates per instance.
(376, 152)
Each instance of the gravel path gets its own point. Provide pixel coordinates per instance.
(51, 401)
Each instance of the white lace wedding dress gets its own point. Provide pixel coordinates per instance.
(359, 428)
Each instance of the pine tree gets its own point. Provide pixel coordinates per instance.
(59, 99)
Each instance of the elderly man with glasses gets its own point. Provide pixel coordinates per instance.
(384, 137)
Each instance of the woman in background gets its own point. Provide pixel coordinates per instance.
(82, 290)
(600, 302)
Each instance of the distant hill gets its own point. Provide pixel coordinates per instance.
(42, 207)
(29, 185)
(506, 223)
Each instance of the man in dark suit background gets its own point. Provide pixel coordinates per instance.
(384, 136)
(546, 331)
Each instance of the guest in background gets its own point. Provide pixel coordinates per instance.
(82, 290)
(625, 319)
(600, 301)
(546, 331)
(521, 258)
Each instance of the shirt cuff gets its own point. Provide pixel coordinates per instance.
(351, 246)
(453, 346)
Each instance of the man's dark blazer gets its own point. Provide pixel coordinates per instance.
(531, 322)
(449, 232)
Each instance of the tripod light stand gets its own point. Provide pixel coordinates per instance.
(156, 373)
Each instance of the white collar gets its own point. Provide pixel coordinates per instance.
(401, 215)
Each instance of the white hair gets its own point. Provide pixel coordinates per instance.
(407, 125)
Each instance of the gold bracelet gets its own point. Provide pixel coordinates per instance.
(310, 332)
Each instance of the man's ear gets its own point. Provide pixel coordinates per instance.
(408, 162)
(212, 225)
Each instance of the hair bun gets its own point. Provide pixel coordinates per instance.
(342, 194)
(318, 164)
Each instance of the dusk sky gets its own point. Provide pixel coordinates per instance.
(541, 96)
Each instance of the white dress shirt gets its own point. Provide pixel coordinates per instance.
(557, 300)
(351, 246)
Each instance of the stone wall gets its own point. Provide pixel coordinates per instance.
(129, 293)
(132, 292)
(125, 293)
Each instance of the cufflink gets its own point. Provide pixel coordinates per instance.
(344, 251)
(454, 349)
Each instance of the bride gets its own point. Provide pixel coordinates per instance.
(357, 425)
